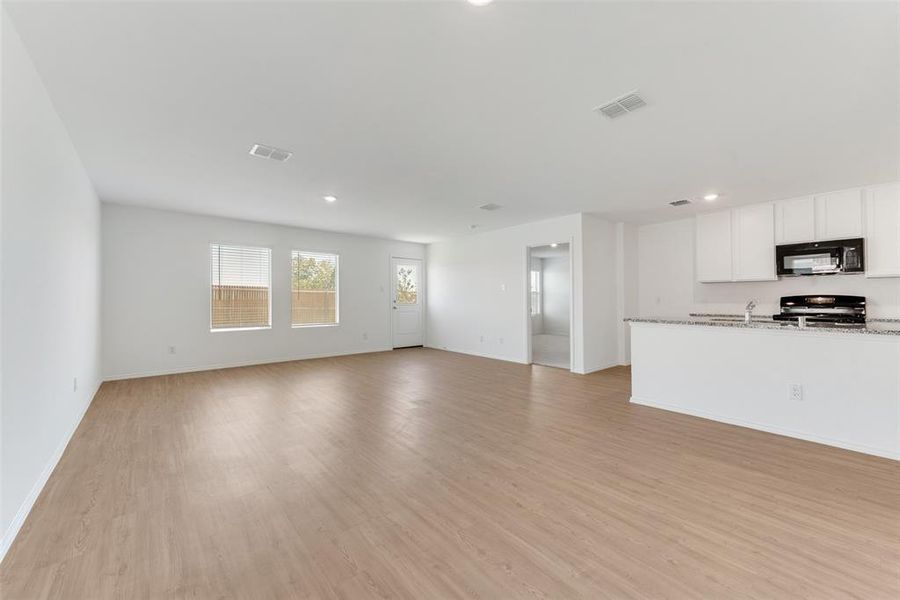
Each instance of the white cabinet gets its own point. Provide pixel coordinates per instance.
(753, 242)
(839, 215)
(883, 231)
(739, 244)
(831, 216)
(795, 220)
(714, 240)
(736, 245)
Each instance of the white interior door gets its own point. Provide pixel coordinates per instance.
(407, 302)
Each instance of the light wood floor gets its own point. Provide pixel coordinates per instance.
(426, 474)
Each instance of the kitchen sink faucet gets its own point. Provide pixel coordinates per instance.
(748, 312)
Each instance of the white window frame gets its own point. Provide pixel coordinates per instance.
(210, 285)
(535, 276)
(337, 289)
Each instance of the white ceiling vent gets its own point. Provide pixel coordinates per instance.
(270, 152)
(680, 202)
(490, 206)
(621, 106)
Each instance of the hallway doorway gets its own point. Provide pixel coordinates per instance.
(550, 302)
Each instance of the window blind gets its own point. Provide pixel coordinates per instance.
(240, 290)
(314, 288)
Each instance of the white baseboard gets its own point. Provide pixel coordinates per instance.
(602, 367)
(16, 525)
(231, 365)
(769, 428)
(479, 354)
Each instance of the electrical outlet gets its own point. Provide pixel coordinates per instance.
(796, 392)
(365, 335)
(481, 339)
(74, 384)
(171, 349)
(502, 287)
(500, 340)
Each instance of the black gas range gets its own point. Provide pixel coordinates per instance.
(842, 310)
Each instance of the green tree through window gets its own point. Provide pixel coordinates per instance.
(313, 273)
(314, 288)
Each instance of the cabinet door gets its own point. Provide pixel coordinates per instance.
(714, 247)
(883, 231)
(795, 220)
(839, 215)
(754, 243)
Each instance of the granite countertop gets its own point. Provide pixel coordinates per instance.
(872, 327)
(770, 320)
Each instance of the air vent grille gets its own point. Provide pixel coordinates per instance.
(632, 102)
(269, 152)
(490, 206)
(680, 202)
(621, 106)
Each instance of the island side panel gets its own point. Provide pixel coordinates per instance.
(851, 383)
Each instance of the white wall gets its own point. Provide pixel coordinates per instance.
(626, 284)
(667, 285)
(556, 297)
(477, 301)
(50, 287)
(599, 293)
(477, 296)
(156, 293)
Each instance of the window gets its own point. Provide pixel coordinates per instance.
(535, 292)
(240, 282)
(314, 289)
(407, 284)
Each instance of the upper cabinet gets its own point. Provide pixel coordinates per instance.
(839, 215)
(736, 245)
(832, 216)
(714, 242)
(795, 220)
(753, 246)
(739, 244)
(883, 231)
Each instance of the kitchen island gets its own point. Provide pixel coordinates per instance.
(829, 384)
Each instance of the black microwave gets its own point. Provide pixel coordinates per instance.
(821, 258)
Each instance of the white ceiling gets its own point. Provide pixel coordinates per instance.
(414, 114)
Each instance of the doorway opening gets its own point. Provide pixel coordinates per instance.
(550, 305)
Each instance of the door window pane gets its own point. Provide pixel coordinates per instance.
(407, 284)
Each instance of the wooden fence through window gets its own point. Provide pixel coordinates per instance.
(239, 306)
(310, 307)
(248, 306)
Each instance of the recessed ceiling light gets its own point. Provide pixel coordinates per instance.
(473, 227)
(480, 2)
(554, 245)
(710, 197)
(329, 198)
